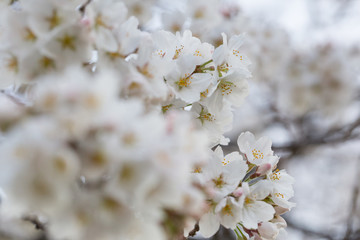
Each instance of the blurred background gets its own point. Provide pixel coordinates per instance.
(304, 95)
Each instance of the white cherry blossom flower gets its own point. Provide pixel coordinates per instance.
(228, 58)
(223, 173)
(227, 213)
(232, 88)
(282, 188)
(257, 151)
(255, 210)
(105, 17)
(186, 84)
(215, 122)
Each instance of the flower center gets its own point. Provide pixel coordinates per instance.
(54, 20)
(225, 162)
(279, 195)
(257, 154)
(226, 87)
(178, 51)
(275, 175)
(236, 53)
(227, 210)
(185, 81)
(219, 182)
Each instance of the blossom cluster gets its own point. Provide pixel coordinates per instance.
(247, 191)
(309, 78)
(81, 148)
(107, 130)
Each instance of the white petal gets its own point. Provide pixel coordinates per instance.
(261, 189)
(245, 139)
(257, 212)
(209, 224)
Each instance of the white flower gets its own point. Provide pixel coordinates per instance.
(128, 36)
(165, 45)
(223, 173)
(227, 213)
(173, 21)
(256, 151)
(71, 44)
(232, 88)
(105, 17)
(228, 58)
(186, 84)
(209, 224)
(215, 122)
(54, 168)
(255, 210)
(47, 17)
(192, 46)
(142, 10)
(282, 188)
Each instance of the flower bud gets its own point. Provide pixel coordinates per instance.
(279, 221)
(280, 210)
(238, 192)
(268, 230)
(263, 169)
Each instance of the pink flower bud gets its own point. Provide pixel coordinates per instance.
(263, 169)
(85, 21)
(238, 192)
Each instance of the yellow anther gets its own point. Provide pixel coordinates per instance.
(226, 87)
(67, 41)
(205, 93)
(208, 117)
(275, 175)
(257, 154)
(46, 62)
(248, 200)
(99, 22)
(54, 20)
(219, 182)
(178, 51)
(166, 108)
(30, 36)
(227, 210)
(185, 81)
(114, 55)
(161, 53)
(13, 64)
(279, 195)
(237, 54)
(197, 53)
(225, 162)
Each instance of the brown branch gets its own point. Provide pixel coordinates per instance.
(333, 136)
(308, 231)
(83, 6)
(195, 230)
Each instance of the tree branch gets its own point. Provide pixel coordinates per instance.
(308, 231)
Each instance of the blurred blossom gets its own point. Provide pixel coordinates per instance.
(130, 119)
